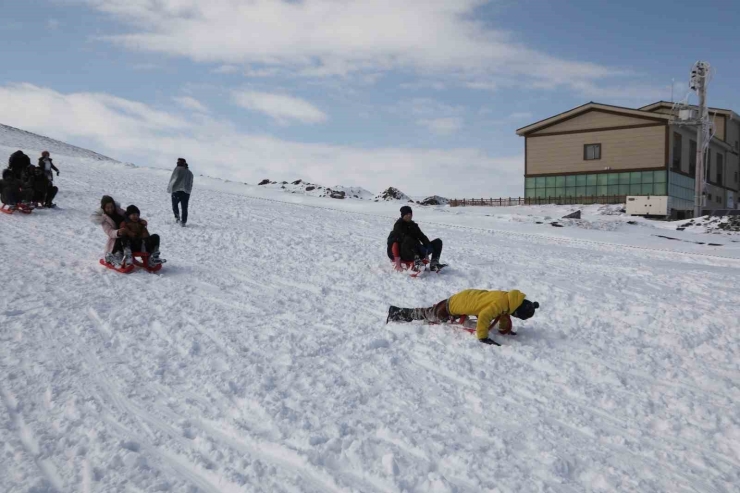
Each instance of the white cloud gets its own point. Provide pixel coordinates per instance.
(226, 69)
(281, 107)
(52, 23)
(520, 115)
(442, 126)
(138, 133)
(320, 38)
(191, 103)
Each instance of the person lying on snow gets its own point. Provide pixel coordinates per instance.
(138, 238)
(13, 190)
(110, 216)
(488, 306)
(412, 244)
(43, 191)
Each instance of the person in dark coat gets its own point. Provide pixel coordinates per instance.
(18, 162)
(13, 190)
(413, 245)
(134, 229)
(180, 186)
(43, 191)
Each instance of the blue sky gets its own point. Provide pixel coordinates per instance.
(424, 96)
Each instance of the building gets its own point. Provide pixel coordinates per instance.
(603, 153)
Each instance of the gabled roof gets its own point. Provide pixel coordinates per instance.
(667, 104)
(592, 106)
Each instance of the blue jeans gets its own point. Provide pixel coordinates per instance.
(180, 198)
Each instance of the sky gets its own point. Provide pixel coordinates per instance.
(422, 95)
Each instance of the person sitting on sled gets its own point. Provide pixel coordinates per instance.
(138, 238)
(43, 191)
(13, 190)
(488, 306)
(110, 216)
(406, 242)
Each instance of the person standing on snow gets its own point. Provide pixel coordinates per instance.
(180, 186)
(488, 306)
(413, 245)
(48, 166)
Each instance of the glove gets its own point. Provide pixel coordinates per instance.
(57, 173)
(489, 341)
(397, 261)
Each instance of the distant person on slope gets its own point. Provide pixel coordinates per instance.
(411, 243)
(110, 216)
(489, 306)
(180, 186)
(19, 162)
(138, 239)
(47, 166)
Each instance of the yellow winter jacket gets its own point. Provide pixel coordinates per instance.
(486, 305)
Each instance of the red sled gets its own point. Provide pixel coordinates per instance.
(408, 265)
(144, 263)
(468, 324)
(125, 269)
(22, 208)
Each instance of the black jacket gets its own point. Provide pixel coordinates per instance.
(18, 162)
(403, 230)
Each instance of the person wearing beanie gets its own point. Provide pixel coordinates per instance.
(180, 186)
(138, 239)
(490, 308)
(407, 242)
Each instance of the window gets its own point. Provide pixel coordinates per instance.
(591, 152)
(692, 157)
(720, 167)
(677, 144)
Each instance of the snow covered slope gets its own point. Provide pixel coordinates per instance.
(259, 360)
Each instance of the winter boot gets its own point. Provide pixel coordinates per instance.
(177, 219)
(396, 314)
(115, 259)
(435, 266)
(155, 260)
(128, 257)
(418, 263)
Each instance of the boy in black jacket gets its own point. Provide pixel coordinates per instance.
(413, 245)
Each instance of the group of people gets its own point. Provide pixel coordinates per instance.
(26, 185)
(407, 243)
(127, 231)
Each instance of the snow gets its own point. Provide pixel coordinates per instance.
(259, 358)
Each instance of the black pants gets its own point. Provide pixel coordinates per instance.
(150, 244)
(51, 192)
(12, 197)
(410, 248)
(180, 198)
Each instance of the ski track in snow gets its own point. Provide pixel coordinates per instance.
(259, 359)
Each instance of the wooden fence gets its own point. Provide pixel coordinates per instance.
(512, 201)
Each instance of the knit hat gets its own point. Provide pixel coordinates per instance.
(405, 210)
(132, 209)
(526, 310)
(107, 199)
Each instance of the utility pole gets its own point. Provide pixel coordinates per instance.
(699, 84)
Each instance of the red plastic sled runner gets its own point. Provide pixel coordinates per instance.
(143, 263)
(22, 208)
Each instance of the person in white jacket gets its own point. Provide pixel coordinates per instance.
(180, 186)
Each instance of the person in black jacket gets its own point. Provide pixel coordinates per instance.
(18, 163)
(413, 245)
(43, 190)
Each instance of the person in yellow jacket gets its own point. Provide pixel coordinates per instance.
(488, 306)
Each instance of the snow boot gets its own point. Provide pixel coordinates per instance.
(128, 257)
(418, 263)
(114, 259)
(396, 314)
(155, 260)
(177, 219)
(435, 266)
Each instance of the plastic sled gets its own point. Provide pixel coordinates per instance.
(125, 269)
(22, 208)
(144, 262)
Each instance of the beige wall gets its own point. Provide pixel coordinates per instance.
(593, 119)
(663, 110)
(719, 126)
(733, 134)
(620, 150)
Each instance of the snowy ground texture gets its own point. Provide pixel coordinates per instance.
(259, 359)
